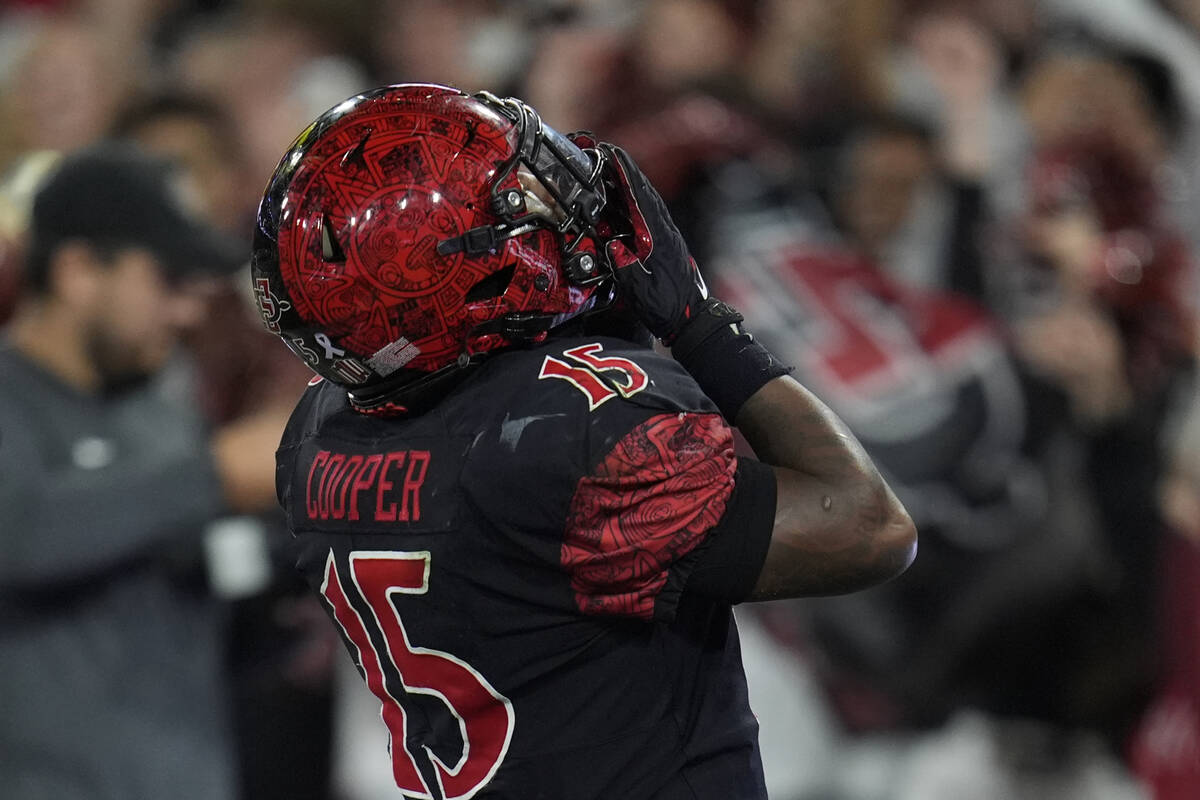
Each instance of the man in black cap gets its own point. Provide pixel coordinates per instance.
(109, 646)
(113, 221)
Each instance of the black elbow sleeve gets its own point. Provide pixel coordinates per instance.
(735, 550)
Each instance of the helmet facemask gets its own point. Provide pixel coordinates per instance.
(560, 188)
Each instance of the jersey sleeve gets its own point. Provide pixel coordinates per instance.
(606, 465)
(645, 507)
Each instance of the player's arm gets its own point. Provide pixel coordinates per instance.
(837, 526)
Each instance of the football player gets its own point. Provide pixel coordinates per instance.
(528, 525)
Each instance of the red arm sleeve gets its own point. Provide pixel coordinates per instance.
(649, 503)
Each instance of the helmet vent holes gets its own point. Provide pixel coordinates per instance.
(493, 285)
(355, 154)
(331, 250)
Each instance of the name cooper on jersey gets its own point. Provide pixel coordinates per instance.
(389, 484)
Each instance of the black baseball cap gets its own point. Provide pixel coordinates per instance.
(117, 194)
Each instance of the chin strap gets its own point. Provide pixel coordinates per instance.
(485, 238)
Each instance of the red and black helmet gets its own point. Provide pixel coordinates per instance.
(414, 228)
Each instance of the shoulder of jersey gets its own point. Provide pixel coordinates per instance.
(567, 402)
(320, 400)
(590, 376)
(539, 419)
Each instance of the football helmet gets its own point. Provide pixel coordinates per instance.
(412, 229)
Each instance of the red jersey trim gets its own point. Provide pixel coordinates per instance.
(650, 502)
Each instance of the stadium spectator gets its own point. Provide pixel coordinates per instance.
(279, 654)
(111, 643)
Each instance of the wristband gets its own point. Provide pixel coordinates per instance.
(709, 317)
(727, 363)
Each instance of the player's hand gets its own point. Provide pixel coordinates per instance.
(653, 268)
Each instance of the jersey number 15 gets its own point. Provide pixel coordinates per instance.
(599, 377)
(485, 717)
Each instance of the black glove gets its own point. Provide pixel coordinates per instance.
(659, 279)
(653, 269)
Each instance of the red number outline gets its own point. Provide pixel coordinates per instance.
(376, 576)
(586, 378)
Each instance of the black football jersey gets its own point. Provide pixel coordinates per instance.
(508, 571)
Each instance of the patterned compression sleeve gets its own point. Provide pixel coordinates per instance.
(648, 504)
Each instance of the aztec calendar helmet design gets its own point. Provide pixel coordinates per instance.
(414, 228)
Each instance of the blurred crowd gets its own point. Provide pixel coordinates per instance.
(972, 228)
